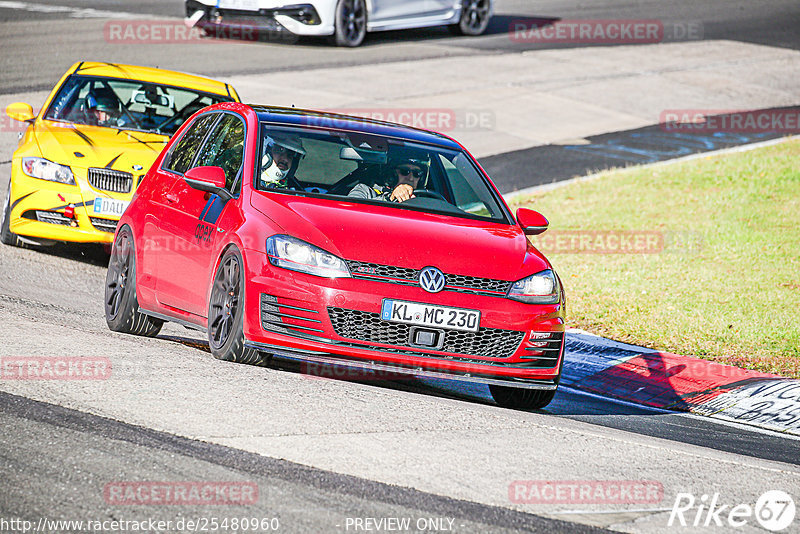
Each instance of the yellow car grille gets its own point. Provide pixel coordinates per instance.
(111, 180)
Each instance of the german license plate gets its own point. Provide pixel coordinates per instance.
(400, 311)
(109, 206)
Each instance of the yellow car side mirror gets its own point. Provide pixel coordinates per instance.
(20, 111)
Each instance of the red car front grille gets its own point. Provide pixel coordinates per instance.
(365, 326)
(406, 276)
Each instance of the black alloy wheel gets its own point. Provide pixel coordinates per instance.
(351, 23)
(474, 18)
(121, 305)
(7, 237)
(226, 312)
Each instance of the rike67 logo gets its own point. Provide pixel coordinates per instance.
(774, 511)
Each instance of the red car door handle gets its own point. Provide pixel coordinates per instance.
(171, 198)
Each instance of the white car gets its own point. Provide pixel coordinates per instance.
(346, 21)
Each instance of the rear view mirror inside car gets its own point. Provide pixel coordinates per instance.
(365, 156)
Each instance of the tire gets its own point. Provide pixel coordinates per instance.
(475, 16)
(350, 26)
(226, 312)
(121, 305)
(7, 237)
(521, 399)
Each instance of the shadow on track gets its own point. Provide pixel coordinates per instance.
(91, 254)
(566, 402)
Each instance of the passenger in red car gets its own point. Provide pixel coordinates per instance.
(407, 173)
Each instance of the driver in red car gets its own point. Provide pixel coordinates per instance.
(407, 173)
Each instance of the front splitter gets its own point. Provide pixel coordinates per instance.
(332, 359)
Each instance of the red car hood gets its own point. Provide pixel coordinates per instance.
(405, 238)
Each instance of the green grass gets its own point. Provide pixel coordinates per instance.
(725, 287)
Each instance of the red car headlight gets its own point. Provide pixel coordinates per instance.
(297, 255)
(539, 288)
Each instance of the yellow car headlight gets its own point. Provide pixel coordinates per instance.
(47, 170)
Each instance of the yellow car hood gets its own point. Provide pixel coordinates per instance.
(81, 146)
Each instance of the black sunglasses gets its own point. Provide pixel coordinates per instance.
(405, 171)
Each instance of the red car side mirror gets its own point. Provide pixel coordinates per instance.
(532, 222)
(210, 179)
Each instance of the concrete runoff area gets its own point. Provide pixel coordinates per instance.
(436, 444)
(546, 97)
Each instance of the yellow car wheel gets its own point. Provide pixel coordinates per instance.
(6, 235)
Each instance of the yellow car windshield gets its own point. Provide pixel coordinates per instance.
(127, 104)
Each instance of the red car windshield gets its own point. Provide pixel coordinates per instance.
(368, 168)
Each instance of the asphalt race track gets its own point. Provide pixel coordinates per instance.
(52, 41)
(328, 454)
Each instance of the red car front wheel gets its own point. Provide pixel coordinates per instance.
(226, 312)
(521, 399)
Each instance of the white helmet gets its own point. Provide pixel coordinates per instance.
(270, 173)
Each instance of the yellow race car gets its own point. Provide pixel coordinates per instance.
(80, 160)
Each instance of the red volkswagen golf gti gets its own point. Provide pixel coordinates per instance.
(337, 240)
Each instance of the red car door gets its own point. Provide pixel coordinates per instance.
(189, 224)
(161, 237)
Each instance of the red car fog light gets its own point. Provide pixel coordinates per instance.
(543, 346)
(540, 335)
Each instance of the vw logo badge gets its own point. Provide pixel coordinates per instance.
(432, 279)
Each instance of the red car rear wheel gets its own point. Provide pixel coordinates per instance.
(121, 304)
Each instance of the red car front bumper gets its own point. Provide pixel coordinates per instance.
(331, 321)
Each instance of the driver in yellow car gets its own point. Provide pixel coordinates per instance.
(102, 108)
